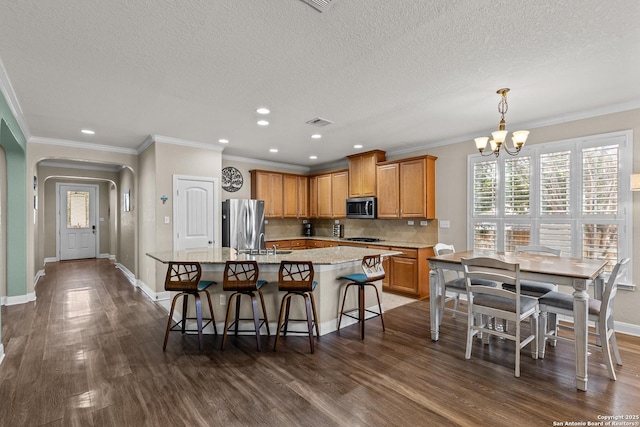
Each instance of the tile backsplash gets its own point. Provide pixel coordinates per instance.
(386, 229)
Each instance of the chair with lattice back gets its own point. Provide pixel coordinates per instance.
(241, 277)
(184, 278)
(372, 271)
(296, 278)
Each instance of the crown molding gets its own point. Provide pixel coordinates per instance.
(12, 100)
(176, 141)
(581, 115)
(266, 163)
(80, 165)
(83, 145)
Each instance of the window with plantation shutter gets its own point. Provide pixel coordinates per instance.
(571, 195)
(484, 188)
(600, 180)
(555, 180)
(516, 185)
(485, 236)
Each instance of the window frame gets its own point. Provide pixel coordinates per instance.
(624, 216)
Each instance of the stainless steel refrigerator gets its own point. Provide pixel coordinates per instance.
(243, 224)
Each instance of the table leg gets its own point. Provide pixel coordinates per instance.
(580, 315)
(434, 304)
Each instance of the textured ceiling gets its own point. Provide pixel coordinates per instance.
(391, 75)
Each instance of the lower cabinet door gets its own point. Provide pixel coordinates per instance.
(404, 275)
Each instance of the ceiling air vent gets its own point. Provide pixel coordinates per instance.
(319, 5)
(319, 122)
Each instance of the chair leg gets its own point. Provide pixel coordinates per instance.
(456, 303)
(534, 330)
(614, 346)
(199, 320)
(315, 313)
(264, 312)
(307, 303)
(605, 344)
(380, 305)
(256, 318)
(470, 323)
(281, 318)
(552, 322)
(518, 348)
(286, 314)
(228, 318)
(344, 298)
(542, 334)
(361, 309)
(185, 311)
(213, 318)
(166, 335)
(237, 323)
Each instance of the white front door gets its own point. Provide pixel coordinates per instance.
(77, 221)
(195, 208)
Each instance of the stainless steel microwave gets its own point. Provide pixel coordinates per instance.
(362, 208)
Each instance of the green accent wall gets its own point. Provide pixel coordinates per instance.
(14, 144)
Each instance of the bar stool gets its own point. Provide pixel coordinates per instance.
(296, 278)
(372, 271)
(241, 277)
(184, 278)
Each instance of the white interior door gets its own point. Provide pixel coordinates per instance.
(195, 207)
(77, 221)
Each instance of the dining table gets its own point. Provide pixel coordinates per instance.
(575, 272)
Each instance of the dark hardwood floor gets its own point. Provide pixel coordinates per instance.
(88, 352)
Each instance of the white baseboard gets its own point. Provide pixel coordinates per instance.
(50, 259)
(129, 275)
(106, 256)
(20, 299)
(39, 274)
(1, 353)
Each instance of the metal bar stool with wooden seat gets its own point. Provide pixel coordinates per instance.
(241, 277)
(184, 278)
(372, 271)
(296, 278)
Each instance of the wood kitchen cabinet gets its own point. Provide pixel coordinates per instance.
(330, 192)
(296, 196)
(406, 189)
(362, 173)
(409, 272)
(268, 186)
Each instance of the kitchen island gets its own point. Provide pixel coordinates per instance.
(328, 263)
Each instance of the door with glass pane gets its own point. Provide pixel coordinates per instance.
(77, 221)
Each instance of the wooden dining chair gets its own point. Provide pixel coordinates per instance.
(456, 284)
(487, 302)
(600, 312)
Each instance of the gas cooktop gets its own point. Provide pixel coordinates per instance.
(363, 239)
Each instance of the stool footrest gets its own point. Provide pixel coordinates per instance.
(177, 327)
(355, 310)
(248, 319)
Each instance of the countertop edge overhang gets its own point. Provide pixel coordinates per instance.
(383, 243)
(319, 256)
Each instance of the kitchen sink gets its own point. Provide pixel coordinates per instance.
(282, 252)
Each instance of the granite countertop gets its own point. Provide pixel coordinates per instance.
(385, 243)
(320, 256)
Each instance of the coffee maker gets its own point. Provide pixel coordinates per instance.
(307, 229)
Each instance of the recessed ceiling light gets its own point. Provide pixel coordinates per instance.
(88, 131)
(273, 150)
(313, 157)
(316, 136)
(223, 141)
(263, 122)
(357, 146)
(263, 110)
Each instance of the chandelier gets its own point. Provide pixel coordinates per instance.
(499, 136)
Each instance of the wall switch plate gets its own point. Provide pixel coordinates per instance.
(167, 220)
(409, 222)
(445, 224)
(337, 221)
(223, 299)
(423, 223)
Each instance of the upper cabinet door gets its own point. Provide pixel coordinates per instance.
(388, 181)
(362, 173)
(340, 193)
